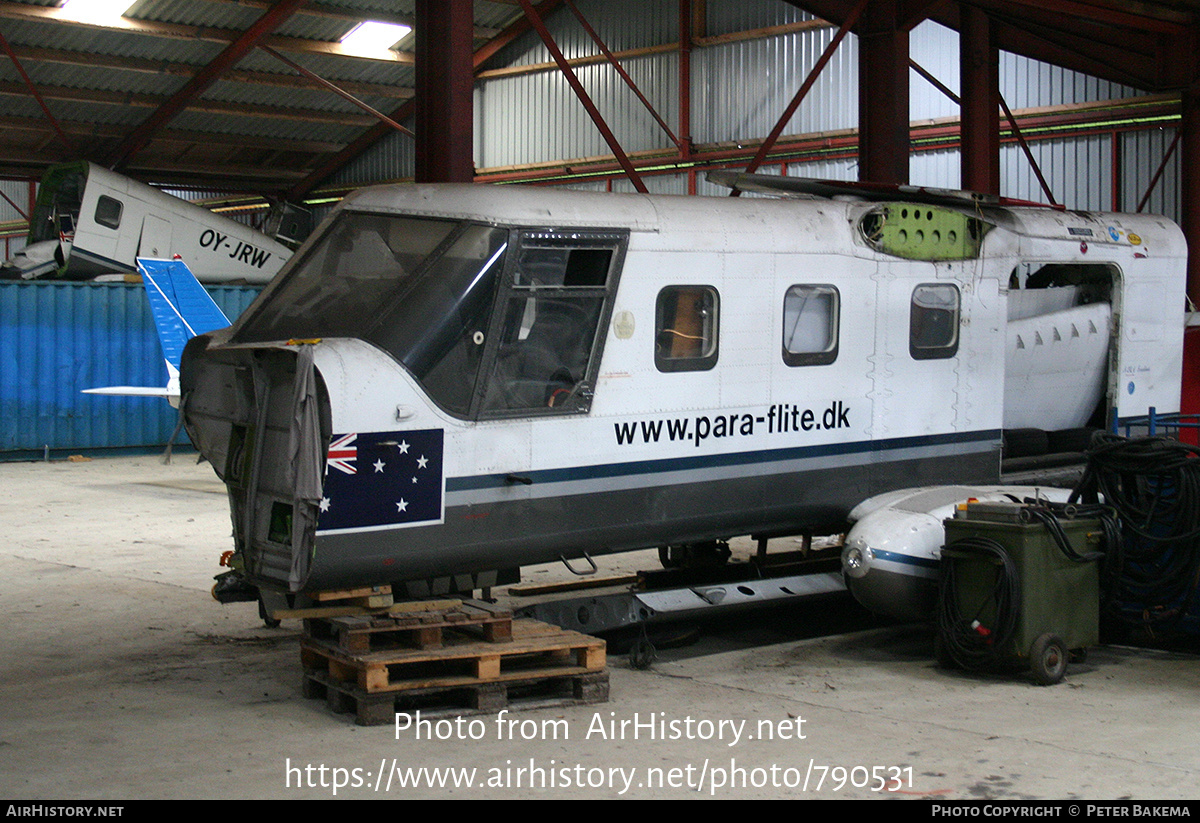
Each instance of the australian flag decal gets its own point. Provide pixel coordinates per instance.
(381, 480)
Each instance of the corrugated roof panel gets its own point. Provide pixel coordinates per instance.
(18, 192)
(1027, 83)
(495, 15)
(537, 117)
(655, 184)
(91, 40)
(1076, 169)
(49, 77)
(728, 16)
(190, 13)
(200, 121)
(69, 111)
(940, 169)
(283, 97)
(333, 68)
(834, 168)
(621, 24)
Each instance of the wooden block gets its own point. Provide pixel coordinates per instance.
(346, 594)
(355, 642)
(498, 632)
(428, 637)
(341, 672)
(489, 698)
(591, 688)
(373, 678)
(592, 657)
(375, 710)
(487, 667)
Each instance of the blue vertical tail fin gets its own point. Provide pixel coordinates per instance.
(180, 306)
(181, 309)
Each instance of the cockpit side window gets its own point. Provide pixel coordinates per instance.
(360, 265)
(547, 347)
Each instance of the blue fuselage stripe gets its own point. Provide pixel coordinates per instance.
(674, 464)
(905, 559)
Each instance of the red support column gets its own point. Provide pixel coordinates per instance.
(444, 91)
(979, 65)
(882, 95)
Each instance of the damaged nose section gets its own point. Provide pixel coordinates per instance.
(260, 415)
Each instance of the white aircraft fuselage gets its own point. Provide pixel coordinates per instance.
(446, 381)
(91, 221)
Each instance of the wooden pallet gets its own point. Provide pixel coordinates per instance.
(535, 650)
(481, 698)
(414, 630)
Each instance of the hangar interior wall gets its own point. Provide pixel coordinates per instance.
(739, 88)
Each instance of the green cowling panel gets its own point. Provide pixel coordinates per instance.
(917, 232)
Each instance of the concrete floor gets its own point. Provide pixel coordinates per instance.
(122, 678)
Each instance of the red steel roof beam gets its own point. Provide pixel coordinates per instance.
(1189, 173)
(1124, 20)
(621, 71)
(340, 92)
(374, 134)
(235, 51)
(685, 89)
(62, 136)
(807, 85)
(1016, 130)
(609, 138)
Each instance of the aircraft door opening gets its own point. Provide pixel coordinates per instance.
(1058, 355)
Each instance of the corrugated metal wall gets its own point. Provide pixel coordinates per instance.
(18, 192)
(57, 339)
(739, 88)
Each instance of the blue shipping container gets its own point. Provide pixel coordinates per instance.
(57, 339)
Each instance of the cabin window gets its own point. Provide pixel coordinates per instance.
(547, 349)
(933, 321)
(686, 323)
(108, 212)
(810, 325)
